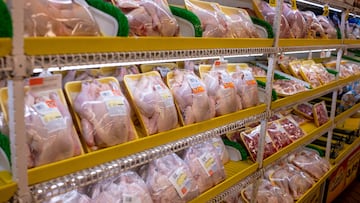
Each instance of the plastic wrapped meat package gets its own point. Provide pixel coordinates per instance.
(278, 135)
(221, 88)
(251, 140)
(323, 75)
(246, 86)
(257, 72)
(305, 109)
(149, 17)
(296, 21)
(299, 119)
(45, 18)
(310, 75)
(219, 145)
(50, 133)
(213, 20)
(292, 128)
(314, 28)
(284, 87)
(269, 15)
(290, 179)
(153, 101)
(267, 193)
(70, 197)
(320, 113)
(328, 27)
(169, 179)
(294, 67)
(127, 187)
(354, 67)
(310, 162)
(191, 96)
(345, 71)
(105, 114)
(205, 165)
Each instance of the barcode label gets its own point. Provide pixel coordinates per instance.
(127, 198)
(208, 164)
(226, 80)
(50, 115)
(165, 94)
(114, 104)
(195, 84)
(163, 71)
(107, 93)
(180, 180)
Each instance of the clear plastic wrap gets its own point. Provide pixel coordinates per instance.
(213, 20)
(290, 179)
(70, 197)
(296, 21)
(257, 72)
(323, 75)
(355, 67)
(205, 165)
(149, 17)
(294, 67)
(220, 149)
(246, 87)
(51, 18)
(191, 96)
(314, 28)
(305, 109)
(328, 27)
(239, 23)
(251, 140)
(278, 135)
(310, 162)
(169, 179)
(267, 193)
(345, 71)
(299, 119)
(269, 14)
(310, 75)
(153, 100)
(320, 113)
(292, 128)
(105, 114)
(50, 132)
(285, 87)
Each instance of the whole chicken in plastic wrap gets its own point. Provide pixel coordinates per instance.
(205, 165)
(296, 21)
(154, 101)
(328, 27)
(213, 20)
(49, 18)
(314, 28)
(169, 180)
(191, 96)
(219, 145)
(50, 133)
(269, 15)
(127, 187)
(104, 113)
(70, 197)
(149, 17)
(240, 24)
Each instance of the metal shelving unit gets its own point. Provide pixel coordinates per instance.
(20, 56)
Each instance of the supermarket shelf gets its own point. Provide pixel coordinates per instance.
(346, 151)
(340, 118)
(346, 81)
(235, 172)
(307, 197)
(5, 46)
(312, 132)
(352, 43)
(304, 96)
(7, 191)
(71, 165)
(308, 44)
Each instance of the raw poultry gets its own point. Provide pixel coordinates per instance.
(296, 21)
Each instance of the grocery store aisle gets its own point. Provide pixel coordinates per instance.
(351, 194)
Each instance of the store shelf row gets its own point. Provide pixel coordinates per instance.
(348, 149)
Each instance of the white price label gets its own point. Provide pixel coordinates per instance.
(195, 84)
(208, 163)
(180, 180)
(115, 104)
(226, 80)
(130, 199)
(50, 115)
(165, 95)
(163, 71)
(322, 54)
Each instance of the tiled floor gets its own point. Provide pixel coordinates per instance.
(351, 194)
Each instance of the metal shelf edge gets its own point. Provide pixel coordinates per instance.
(347, 113)
(345, 152)
(64, 167)
(7, 191)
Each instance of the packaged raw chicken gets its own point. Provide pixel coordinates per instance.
(296, 21)
(149, 17)
(320, 113)
(102, 112)
(50, 133)
(354, 67)
(205, 165)
(314, 28)
(162, 68)
(345, 71)
(294, 68)
(221, 88)
(219, 145)
(245, 84)
(266, 193)
(213, 20)
(153, 101)
(191, 96)
(323, 75)
(169, 179)
(328, 27)
(51, 18)
(310, 162)
(284, 87)
(309, 74)
(278, 135)
(70, 197)
(290, 179)
(239, 23)
(257, 72)
(305, 109)
(251, 139)
(292, 128)
(269, 14)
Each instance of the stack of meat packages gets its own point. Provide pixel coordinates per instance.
(299, 24)
(166, 179)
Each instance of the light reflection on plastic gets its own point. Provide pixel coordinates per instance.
(318, 5)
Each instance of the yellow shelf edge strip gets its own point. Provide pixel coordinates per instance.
(345, 152)
(7, 191)
(351, 41)
(64, 167)
(307, 42)
(5, 46)
(347, 113)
